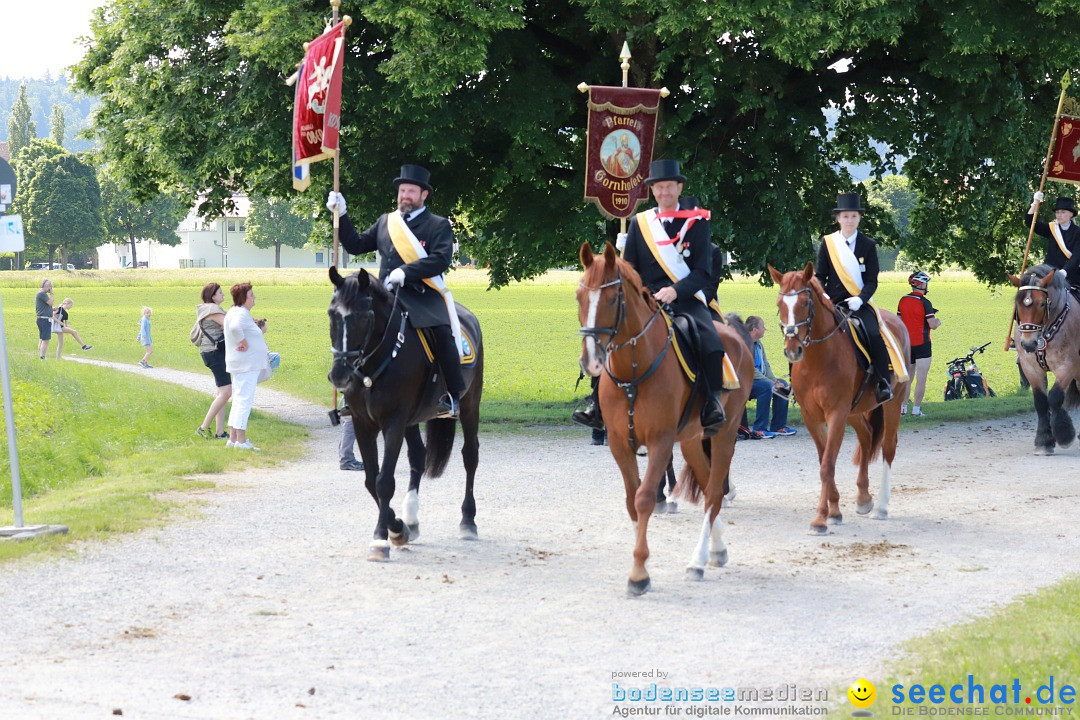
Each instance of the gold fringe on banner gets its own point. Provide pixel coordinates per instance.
(617, 110)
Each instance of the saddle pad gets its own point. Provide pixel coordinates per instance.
(683, 346)
(861, 341)
(468, 357)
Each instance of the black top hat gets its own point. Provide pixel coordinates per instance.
(660, 170)
(846, 202)
(1065, 203)
(415, 175)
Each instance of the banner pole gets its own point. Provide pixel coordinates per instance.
(1065, 81)
(624, 65)
(334, 5)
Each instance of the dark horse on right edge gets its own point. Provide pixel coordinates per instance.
(383, 367)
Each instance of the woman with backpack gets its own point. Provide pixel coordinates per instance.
(208, 335)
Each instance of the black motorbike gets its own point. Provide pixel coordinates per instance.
(965, 380)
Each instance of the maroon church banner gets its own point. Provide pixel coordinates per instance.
(1065, 162)
(622, 125)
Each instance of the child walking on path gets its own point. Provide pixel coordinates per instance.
(144, 338)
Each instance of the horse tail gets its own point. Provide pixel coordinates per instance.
(439, 440)
(877, 433)
(688, 488)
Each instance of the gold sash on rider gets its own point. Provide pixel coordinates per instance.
(848, 269)
(674, 266)
(1055, 230)
(410, 250)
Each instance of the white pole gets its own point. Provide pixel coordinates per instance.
(9, 421)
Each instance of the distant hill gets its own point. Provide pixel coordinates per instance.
(43, 94)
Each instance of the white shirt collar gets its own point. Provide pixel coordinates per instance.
(666, 220)
(850, 240)
(1066, 226)
(414, 213)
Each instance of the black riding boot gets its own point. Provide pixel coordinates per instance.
(590, 415)
(712, 408)
(883, 392)
(450, 366)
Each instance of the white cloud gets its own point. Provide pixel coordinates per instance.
(36, 37)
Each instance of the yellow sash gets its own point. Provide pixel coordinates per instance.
(669, 258)
(846, 267)
(1056, 232)
(410, 250)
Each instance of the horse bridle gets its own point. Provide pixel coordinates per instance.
(1044, 336)
(792, 331)
(620, 315)
(357, 359)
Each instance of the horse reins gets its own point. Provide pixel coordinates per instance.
(1045, 336)
(356, 359)
(629, 387)
(792, 331)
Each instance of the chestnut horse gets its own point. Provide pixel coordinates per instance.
(1048, 339)
(832, 390)
(646, 399)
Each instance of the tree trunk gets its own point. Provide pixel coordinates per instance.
(277, 255)
(134, 263)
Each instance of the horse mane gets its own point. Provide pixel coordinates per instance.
(632, 281)
(820, 296)
(1060, 281)
(349, 290)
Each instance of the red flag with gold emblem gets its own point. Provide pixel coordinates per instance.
(1065, 161)
(622, 126)
(317, 110)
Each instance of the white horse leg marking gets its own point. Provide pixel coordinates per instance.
(882, 510)
(701, 551)
(409, 513)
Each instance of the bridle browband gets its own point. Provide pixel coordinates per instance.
(792, 331)
(357, 359)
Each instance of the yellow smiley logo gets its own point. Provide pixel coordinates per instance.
(862, 693)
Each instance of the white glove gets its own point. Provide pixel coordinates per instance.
(1038, 196)
(620, 241)
(854, 303)
(396, 278)
(335, 202)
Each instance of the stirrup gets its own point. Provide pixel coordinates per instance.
(448, 408)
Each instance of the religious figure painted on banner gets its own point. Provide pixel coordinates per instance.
(621, 153)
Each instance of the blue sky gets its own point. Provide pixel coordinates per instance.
(38, 37)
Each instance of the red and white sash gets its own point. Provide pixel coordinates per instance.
(410, 250)
(664, 249)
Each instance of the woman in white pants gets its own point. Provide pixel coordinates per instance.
(245, 358)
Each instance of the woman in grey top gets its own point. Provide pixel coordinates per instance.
(211, 319)
(43, 309)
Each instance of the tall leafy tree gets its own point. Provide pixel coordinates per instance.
(27, 164)
(56, 125)
(128, 219)
(484, 94)
(21, 127)
(274, 222)
(62, 207)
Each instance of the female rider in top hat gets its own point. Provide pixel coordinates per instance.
(1062, 236)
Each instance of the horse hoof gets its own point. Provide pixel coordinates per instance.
(468, 532)
(836, 520)
(819, 529)
(1044, 451)
(718, 559)
(863, 509)
(661, 508)
(402, 538)
(695, 573)
(379, 553)
(637, 588)
(881, 514)
(414, 531)
(672, 507)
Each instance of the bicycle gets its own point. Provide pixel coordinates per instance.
(965, 379)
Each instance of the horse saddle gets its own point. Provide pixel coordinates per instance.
(860, 338)
(686, 343)
(468, 348)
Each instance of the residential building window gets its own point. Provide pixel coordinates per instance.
(318, 258)
(232, 226)
(240, 222)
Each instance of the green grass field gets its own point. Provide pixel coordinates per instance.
(530, 330)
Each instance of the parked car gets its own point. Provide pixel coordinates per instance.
(56, 266)
(39, 266)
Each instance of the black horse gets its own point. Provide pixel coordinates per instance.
(382, 367)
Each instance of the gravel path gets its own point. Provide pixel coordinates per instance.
(262, 604)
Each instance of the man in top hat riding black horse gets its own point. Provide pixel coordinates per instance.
(416, 247)
(675, 233)
(855, 267)
(1062, 236)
